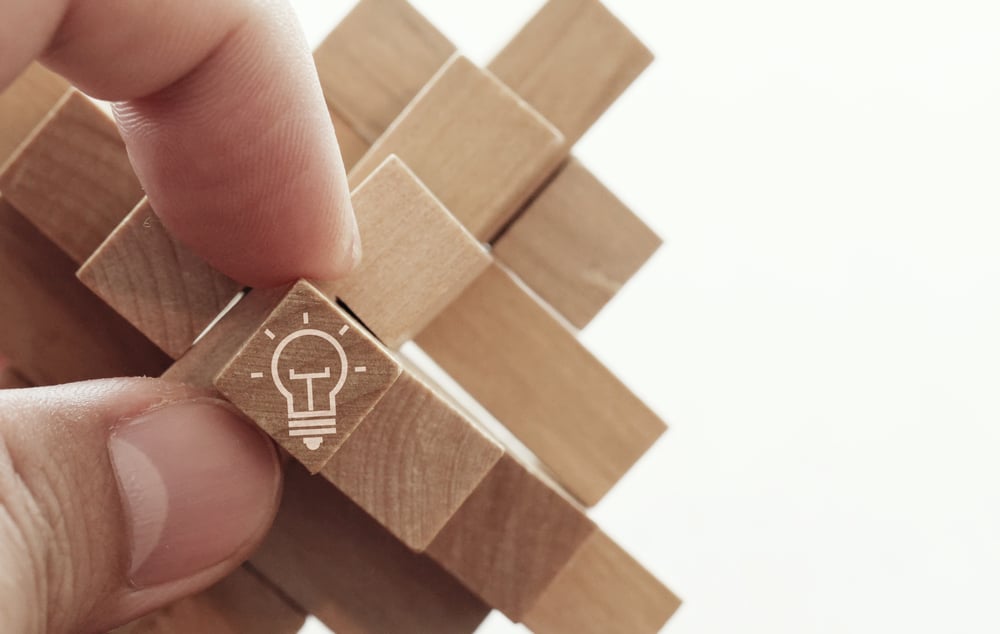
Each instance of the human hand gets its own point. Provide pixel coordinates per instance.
(120, 496)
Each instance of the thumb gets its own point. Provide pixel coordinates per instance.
(120, 496)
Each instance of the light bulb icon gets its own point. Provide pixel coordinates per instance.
(309, 369)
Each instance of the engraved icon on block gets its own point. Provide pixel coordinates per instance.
(308, 375)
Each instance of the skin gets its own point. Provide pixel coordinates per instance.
(226, 127)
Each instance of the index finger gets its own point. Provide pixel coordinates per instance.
(223, 117)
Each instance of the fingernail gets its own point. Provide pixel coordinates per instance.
(197, 483)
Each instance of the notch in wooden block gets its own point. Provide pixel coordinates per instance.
(162, 288)
(571, 61)
(375, 61)
(24, 103)
(413, 461)
(511, 537)
(308, 375)
(602, 589)
(417, 257)
(479, 147)
(72, 178)
(576, 244)
(521, 362)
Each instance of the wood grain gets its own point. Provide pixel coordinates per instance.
(571, 61)
(72, 178)
(376, 60)
(308, 375)
(576, 244)
(479, 147)
(339, 564)
(523, 363)
(242, 603)
(24, 103)
(602, 589)
(417, 258)
(413, 461)
(511, 537)
(162, 288)
(52, 328)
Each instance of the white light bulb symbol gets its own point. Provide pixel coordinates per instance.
(304, 419)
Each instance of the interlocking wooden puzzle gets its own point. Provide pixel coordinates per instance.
(485, 242)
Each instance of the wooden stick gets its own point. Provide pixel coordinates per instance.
(571, 61)
(24, 104)
(376, 60)
(576, 244)
(72, 178)
(474, 143)
(523, 363)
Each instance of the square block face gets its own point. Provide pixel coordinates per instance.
(308, 375)
(478, 146)
(576, 244)
(25, 103)
(416, 257)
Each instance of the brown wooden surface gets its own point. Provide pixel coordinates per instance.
(10, 379)
(241, 603)
(73, 179)
(571, 61)
(416, 257)
(511, 537)
(52, 328)
(376, 60)
(576, 244)
(524, 364)
(413, 461)
(24, 103)
(286, 397)
(602, 589)
(162, 288)
(352, 146)
(477, 146)
(339, 564)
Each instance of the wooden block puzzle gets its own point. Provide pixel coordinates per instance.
(417, 517)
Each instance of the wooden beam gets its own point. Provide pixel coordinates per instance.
(242, 603)
(72, 178)
(576, 244)
(416, 257)
(24, 104)
(52, 328)
(474, 143)
(156, 283)
(571, 61)
(376, 60)
(342, 566)
(602, 589)
(525, 365)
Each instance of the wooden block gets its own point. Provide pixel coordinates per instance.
(522, 363)
(24, 104)
(308, 375)
(511, 537)
(376, 60)
(474, 143)
(602, 589)
(72, 178)
(158, 285)
(413, 461)
(576, 244)
(352, 146)
(339, 564)
(52, 328)
(417, 257)
(242, 603)
(571, 61)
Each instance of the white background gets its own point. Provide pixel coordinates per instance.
(822, 329)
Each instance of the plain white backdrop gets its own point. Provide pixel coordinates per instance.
(822, 329)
